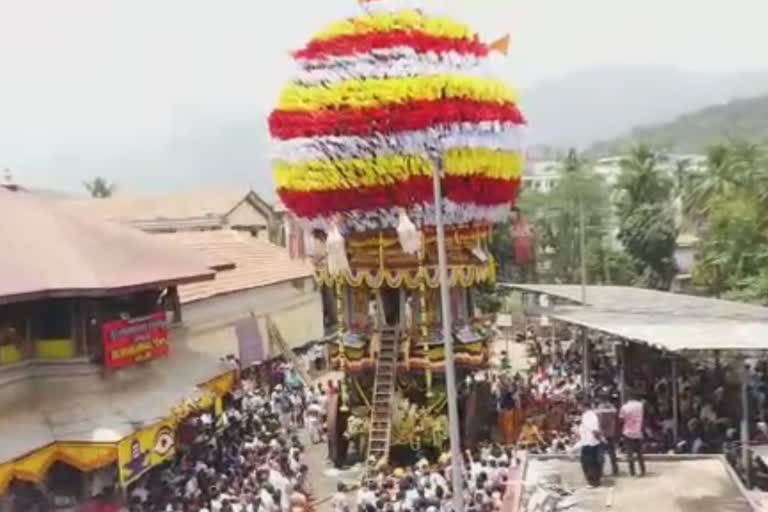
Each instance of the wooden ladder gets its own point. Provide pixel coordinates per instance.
(276, 339)
(383, 396)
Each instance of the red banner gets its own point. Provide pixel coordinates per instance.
(127, 342)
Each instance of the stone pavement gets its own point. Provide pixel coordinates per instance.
(673, 484)
(322, 474)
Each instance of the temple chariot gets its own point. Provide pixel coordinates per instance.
(380, 103)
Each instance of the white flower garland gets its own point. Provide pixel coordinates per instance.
(492, 135)
(393, 64)
(420, 215)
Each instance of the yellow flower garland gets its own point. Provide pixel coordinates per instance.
(461, 275)
(377, 92)
(350, 174)
(483, 163)
(316, 175)
(409, 20)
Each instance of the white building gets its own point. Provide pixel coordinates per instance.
(542, 176)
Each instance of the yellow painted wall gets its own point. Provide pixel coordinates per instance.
(55, 349)
(297, 313)
(9, 354)
(300, 323)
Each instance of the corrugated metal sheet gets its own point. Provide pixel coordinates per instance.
(671, 321)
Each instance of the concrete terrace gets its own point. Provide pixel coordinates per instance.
(673, 484)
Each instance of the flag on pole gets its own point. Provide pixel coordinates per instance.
(500, 45)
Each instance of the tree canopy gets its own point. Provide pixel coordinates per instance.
(554, 217)
(729, 203)
(647, 218)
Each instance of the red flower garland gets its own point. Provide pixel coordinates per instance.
(365, 43)
(418, 115)
(478, 191)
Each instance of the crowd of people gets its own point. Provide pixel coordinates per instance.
(427, 487)
(253, 461)
(250, 461)
(550, 400)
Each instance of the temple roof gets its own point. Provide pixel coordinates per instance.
(49, 250)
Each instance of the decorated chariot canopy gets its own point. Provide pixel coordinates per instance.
(381, 102)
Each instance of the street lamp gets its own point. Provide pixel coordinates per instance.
(457, 479)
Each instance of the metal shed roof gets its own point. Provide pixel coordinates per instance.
(671, 321)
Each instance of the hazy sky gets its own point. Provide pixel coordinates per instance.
(85, 81)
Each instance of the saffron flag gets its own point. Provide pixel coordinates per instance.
(501, 45)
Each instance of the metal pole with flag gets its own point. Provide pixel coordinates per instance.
(457, 478)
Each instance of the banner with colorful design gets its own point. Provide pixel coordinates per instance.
(33, 467)
(127, 342)
(144, 450)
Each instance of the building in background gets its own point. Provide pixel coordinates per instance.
(685, 257)
(542, 176)
(264, 282)
(242, 210)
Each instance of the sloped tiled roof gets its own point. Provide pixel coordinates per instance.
(49, 250)
(204, 204)
(257, 263)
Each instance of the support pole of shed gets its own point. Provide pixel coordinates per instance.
(675, 402)
(745, 424)
(622, 372)
(524, 304)
(585, 361)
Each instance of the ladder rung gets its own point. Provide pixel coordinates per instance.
(383, 391)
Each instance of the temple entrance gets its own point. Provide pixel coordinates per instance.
(390, 303)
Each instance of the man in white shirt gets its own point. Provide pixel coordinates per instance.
(589, 443)
(314, 416)
(339, 502)
(367, 495)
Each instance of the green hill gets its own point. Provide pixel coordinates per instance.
(740, 119)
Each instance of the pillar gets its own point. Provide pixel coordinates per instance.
(175, 304)
(585, 350)
(622, 372)
(424, 334)
(675, 401)
(745, 462)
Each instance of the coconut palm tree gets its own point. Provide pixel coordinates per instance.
(730, 202)
(646, 212)
(99, 187)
